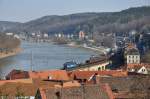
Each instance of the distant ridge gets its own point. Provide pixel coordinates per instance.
(133, 18)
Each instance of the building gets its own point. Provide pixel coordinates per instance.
(81, 35)
(56, 75)
(17, 74)
(53, 75)
(45, 35)
(25, 87)
(132, 55)
(9, 34)
(142, 68)
(89, 76)
(130, 87)
(17, 89)
(78, 92)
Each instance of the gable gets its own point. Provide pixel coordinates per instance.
(143, 70)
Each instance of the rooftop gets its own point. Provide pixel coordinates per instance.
(81, 92)
(128, 85)
(49, 74)
(88, 74)
(147, 65)
(26, 87)
(133, 51)
(17, 74)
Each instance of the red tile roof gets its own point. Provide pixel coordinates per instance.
(71, 84)
(147, 65)
(17, 74)
(88, 74)
(131, 46)
(27, 87)
(79, 92)
(28, 81)
(53, 74)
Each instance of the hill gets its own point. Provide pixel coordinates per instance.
(5, 25)
(123, 21)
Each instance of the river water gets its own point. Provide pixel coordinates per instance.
(43, 56)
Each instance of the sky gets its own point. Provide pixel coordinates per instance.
(26, 10)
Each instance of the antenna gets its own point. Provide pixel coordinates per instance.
(31, 64)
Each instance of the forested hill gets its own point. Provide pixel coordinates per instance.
(133, 18)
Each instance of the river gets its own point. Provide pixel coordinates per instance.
(44, 56)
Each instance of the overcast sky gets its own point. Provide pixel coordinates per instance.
(25, 10)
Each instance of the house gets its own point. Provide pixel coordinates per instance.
(133, 56)
(12, 89)
(142, 68)
(53, 75)
(23, 88)
(49, 74)
(17, 74)
(89, 77)
(79, 92)
(130, 87)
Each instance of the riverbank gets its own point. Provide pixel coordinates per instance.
(10, 53)
(96, 49)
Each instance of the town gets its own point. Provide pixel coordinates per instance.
(75, 49)
(121, 73)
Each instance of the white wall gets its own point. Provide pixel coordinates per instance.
(133, 59)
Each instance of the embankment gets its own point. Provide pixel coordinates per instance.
(10, 53)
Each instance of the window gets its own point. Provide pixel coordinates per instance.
(99, 68)
(23, 97)
(103, 68)
(143, 70)
(115, 90)
(129, 61)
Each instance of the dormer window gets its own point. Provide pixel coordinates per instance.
(143, 70)
(49, 77)
(132, 70)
